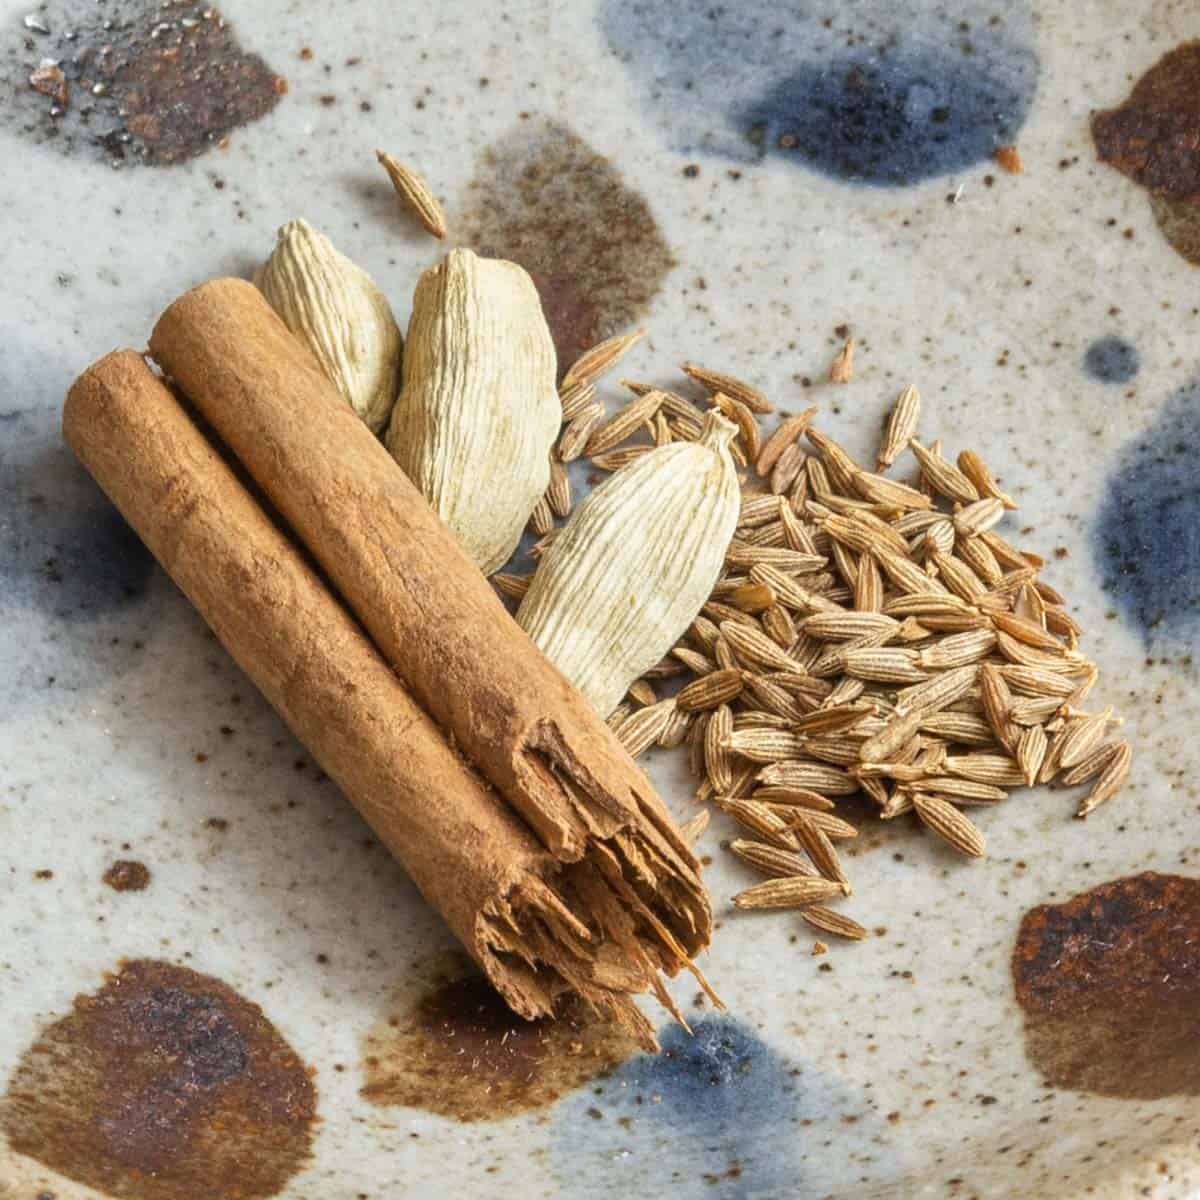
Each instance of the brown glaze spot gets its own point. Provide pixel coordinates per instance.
(164, 1085)
(127, 875)
(1154, 138)
(459, 1051)
(1179, 221)
(546, 200)
(1110, 986)
(148, 81)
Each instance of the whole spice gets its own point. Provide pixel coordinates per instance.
(842, 368)
(478, 411)
(787, 892)
(632, 567)
(335, 309)
(434, 618)
(415, 193)
(517, 907)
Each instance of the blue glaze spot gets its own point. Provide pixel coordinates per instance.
(63, 547)
(97, 561)
(878, 93)
(1112, 360)
(719, 1114)
(892, 120)
(1147, 532)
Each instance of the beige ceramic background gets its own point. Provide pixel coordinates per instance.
(936, 293)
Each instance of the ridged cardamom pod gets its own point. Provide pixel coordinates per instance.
(334, 308)
(633, 566)
(478, 411)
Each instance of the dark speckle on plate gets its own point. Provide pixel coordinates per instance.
(128, 875)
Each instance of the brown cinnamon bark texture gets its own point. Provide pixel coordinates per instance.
(535, 931)
(435, 618)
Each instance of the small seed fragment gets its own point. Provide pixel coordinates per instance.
(717, 761)
(576, 398)
(574, 437)
(541, 520)
(843, 625)
(809, 776)
(1031, 752)
(997, 769)
(948, 823)
(975, 469)
(602, 357)
(1109, 781)
(753, 646)
(558, 494)
(830, 921)
(691, 830)
(819, 848)
(772, 860)
(759, 818)
(901, 426)
(979, 517)
(676, 730)
(964, 791)
(415, 193)
(944, 476)
(744, 419)
(1085, 732)
(513, 586)
(890, 492)
(789, 892)
(786, 434)
(779, 626)
(883, 665)
(1091, 766)
(614, 460)
(795, 797)
(642, 729)
(787, 469)
(841, 369)
(613, 431)
(752, 597)
(718, 381)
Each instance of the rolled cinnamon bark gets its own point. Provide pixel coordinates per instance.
(432, 614)
(527, 924)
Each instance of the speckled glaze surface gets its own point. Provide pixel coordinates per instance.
(742, 183)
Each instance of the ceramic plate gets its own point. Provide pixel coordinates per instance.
(214, 981)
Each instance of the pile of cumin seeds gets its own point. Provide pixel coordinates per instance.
(869, 635)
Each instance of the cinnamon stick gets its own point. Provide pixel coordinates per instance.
(529, 926)
(432, 614)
